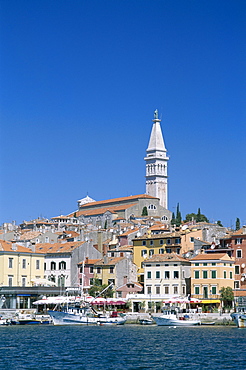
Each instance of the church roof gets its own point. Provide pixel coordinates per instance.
(118, 200)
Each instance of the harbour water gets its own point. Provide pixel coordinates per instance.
(122, 347)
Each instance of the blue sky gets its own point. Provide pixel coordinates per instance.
(80, 82)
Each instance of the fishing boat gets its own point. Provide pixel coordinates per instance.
(87, 315)
(146, 322)
(82, 312)
(170, 317)
(239, 317)
(30, 317)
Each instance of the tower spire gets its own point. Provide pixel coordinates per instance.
(156, 164)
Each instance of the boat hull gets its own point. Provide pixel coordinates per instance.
(65, 318)
(239, 319)
(165, 321)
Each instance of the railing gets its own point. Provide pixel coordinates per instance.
(209, 296)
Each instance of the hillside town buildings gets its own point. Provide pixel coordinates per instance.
(128, 241)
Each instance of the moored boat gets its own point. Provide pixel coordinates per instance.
(170, 318)
(239, 319)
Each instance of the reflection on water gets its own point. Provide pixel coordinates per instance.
(122, 347)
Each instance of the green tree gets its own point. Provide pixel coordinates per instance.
(227, 296)
(219, 223)
(96, 288)
(145, 211)
(178, 216)
(106, 224)
(190, 217)
(198, 216)
(173, 220)
(237, 223)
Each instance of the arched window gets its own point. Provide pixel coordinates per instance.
(151, 206)
(62, 265)
(53, 266)
(164, 218)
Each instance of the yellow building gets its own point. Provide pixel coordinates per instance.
(148, 245)
(19, 266)
(209, 273)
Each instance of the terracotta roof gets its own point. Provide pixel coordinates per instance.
(167, 257)
(211, 256)
(164, 235)
(14, 247)
(128, 232)
(89, 262)
(117, 200)
(110, 261)
(58, 247)
(100, 211)
(29, 235)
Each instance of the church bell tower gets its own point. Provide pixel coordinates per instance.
(156, 164)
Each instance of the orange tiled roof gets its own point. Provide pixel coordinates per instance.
(89, 262)
(14, 247)
(128, 232)
(211, 256)
(171, 257)
(100, 211)
(117, 200)
(110, 261)
(58, 247)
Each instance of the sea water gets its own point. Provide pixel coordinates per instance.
(122, 347)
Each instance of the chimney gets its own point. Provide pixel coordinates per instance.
(14, 246)
(125, 280)
(86, 260)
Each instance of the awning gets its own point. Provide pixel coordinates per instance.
(210, 301)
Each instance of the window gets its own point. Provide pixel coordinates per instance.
(168, 250)
(91, 269)
(157, 290)
(44, 265)
(236, 284)
(224, 274)
(175, 290)
(239, 253)
(175, 274)
(111, 270)
(10, 278)
(168, 241)
(213, 263)
(237, 270)
(23, 280)
(213, 274)
(197, 290)
(144, 242)
(157, 274)
(111, 281)
(214, 290)
(148, 274)
(10, 263)
(167, 275)
(62, 265)
(98, 270)
(151, 206)
(143, 252)
(151, 242)
(47, 239)
(148, 289)
(151, 252)
(53, 265)
(166, 290)
(177, 241)
(205, 264)
(161, 251)
(24, 263)
(238, 241)
(196, 264)
(161, 241)
(197, 274)
(230, 274)
(191, 239)
(183, 289)
(205, 274)
(178, 250)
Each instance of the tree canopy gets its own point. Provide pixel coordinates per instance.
(237, 223)
(226, 296)
(96, 288)
(198, 217)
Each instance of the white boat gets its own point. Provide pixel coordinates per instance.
(170, 318)
(85, 316)
(240, 317)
